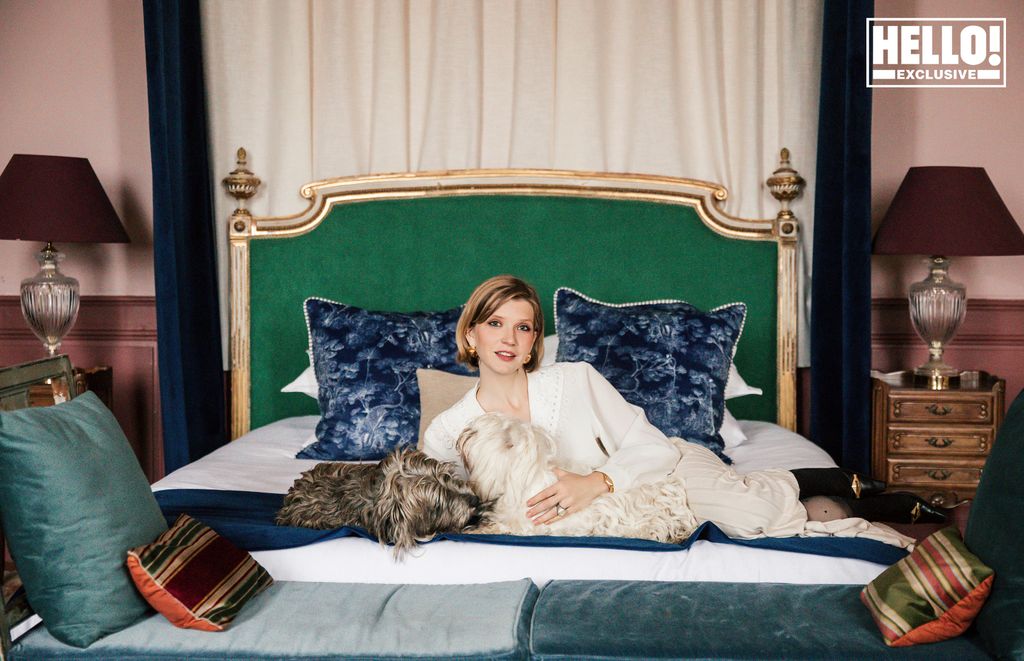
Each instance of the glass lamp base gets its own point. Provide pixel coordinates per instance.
(936, 368)
(937, 308)
(49, 300)
(937, 375)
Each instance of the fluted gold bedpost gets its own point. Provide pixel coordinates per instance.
(785, 185)
(241, 184)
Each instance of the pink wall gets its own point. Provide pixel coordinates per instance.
(73, 81)
(983, 127)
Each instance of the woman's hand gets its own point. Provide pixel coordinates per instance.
(572, 491)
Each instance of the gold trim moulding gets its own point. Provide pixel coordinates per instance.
(239, 338)
(707, 198)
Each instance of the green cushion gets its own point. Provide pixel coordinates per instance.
(995, 532)
(73, 500)
(664, 620)
(292, 620)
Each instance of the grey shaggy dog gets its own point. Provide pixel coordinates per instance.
(405, 498)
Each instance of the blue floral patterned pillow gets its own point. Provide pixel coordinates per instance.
(667, 357)
(365, 363)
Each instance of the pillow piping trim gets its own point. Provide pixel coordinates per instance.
(657, 301)
(309, 330)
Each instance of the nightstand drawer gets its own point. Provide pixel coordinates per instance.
(932, 474)
(919, 409)
(939, 441)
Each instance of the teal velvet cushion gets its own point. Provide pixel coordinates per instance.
(73, 500)
(670, 620)
(322, 621)
(995, 532)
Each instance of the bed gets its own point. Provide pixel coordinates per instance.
(412, 242)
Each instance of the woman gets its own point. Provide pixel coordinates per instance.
(501, 333)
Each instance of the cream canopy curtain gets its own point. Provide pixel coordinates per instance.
(700, 88)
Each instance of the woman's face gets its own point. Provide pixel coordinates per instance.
(504, 340)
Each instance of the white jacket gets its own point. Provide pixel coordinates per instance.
(593, 426)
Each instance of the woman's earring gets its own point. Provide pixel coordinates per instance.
(527, 358)
(472, 351)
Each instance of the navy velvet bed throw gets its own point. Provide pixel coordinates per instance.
(247, 519)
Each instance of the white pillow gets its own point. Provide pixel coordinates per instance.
(550, 349)
(731, 431)
(306, 382)
(737, 387)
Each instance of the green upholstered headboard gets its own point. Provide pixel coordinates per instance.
(424, 241)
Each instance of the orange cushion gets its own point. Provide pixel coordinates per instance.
(931, 595)
(194, 577)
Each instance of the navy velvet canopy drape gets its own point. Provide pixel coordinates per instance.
(188, 322)
(841, 276)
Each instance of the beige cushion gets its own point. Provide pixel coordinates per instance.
(439, 391)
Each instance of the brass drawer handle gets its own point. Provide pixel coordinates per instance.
(935, 409)
(939, 442)
(940, 475)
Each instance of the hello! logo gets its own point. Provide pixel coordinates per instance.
(936, 52)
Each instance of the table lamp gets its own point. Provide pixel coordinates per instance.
(942, 212)
(54, 198)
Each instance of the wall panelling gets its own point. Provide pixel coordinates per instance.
(116, 331)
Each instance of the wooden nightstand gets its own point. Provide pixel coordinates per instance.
(99, 380)
(934, 442)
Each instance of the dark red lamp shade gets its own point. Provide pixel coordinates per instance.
(56, 198)
(948, 211)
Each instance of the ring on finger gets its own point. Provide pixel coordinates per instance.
(560, 511)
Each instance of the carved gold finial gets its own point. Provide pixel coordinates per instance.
(241, 183)
(785, 185)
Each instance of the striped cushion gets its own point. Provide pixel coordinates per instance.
(194, 577)
(931, 595)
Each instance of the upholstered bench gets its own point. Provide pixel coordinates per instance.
(643, 620)
(330, 620)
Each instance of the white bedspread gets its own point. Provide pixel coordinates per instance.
(263, 460)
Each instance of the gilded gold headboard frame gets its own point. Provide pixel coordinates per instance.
(705, 198)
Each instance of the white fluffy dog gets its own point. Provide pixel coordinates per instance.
(509, 461)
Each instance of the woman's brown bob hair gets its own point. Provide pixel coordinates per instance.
(490, 295)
